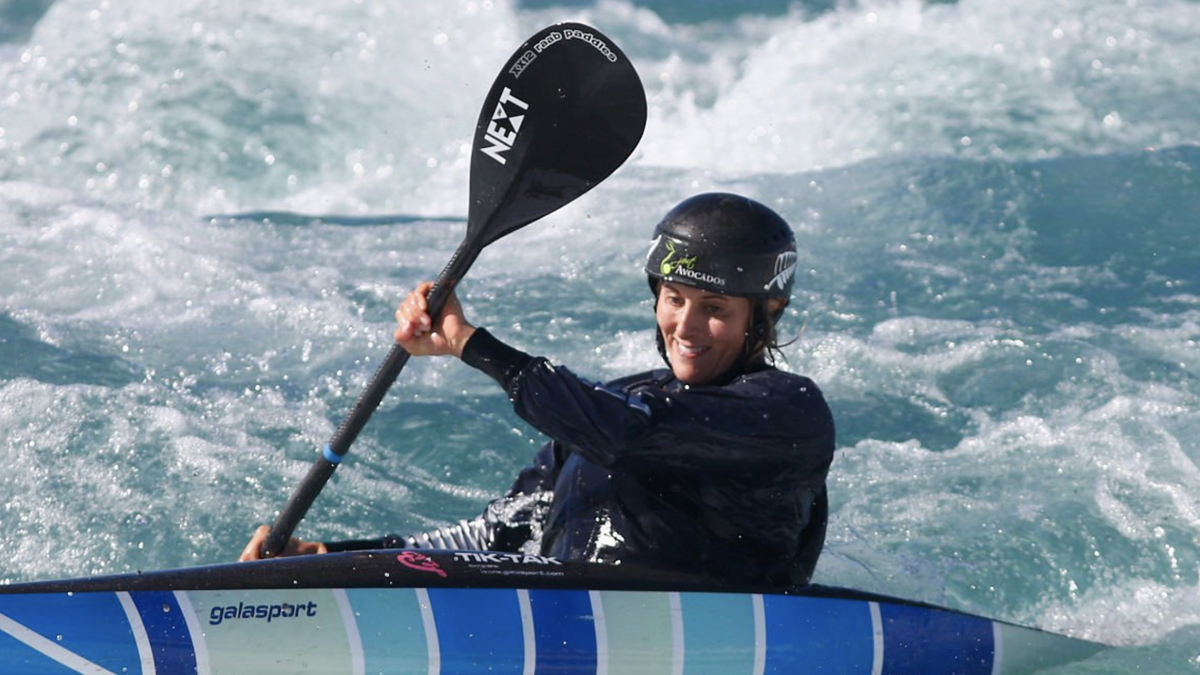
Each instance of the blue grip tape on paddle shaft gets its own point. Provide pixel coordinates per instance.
(331, 456)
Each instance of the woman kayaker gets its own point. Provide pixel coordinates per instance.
(714, 466)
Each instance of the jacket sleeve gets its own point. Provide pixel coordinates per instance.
(784, 416)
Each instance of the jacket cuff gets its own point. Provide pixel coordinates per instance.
(499, 361)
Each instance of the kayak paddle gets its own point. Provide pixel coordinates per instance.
(565, 112)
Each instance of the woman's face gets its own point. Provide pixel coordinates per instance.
(704, 332)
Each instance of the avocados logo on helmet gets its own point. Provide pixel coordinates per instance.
(685, 267)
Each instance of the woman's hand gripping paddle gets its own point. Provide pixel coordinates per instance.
(565, 112)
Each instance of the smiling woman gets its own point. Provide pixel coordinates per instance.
(740, 258)
(716, 466)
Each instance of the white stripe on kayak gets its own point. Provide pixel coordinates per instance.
(601, 632)
(877, 635)
(199, 644)
(760, 634)
(676, 633)
(357, 662)
(49, 648)
(431, 638)
(140, 637)
(527, 631)
(997, 649)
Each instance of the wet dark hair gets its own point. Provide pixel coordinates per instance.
(763, 337)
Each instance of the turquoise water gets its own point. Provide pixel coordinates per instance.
(208, 211)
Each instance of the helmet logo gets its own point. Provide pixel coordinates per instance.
(667, 265)
(785, 269)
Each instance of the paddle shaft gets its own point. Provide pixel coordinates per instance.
(322, 470)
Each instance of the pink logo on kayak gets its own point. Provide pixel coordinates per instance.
(421, 563)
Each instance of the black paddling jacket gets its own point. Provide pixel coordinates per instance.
(724, 480)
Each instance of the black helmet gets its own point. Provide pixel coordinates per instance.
(724, 243)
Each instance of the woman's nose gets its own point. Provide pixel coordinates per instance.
(690, 320)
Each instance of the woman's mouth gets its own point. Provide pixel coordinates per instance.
(689, 351)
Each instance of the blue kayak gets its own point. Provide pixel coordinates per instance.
(431, 612)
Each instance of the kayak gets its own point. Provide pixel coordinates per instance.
(432, 612)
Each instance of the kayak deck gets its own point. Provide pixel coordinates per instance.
(465, 612)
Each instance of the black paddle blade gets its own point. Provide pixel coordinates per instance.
(567, 110)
